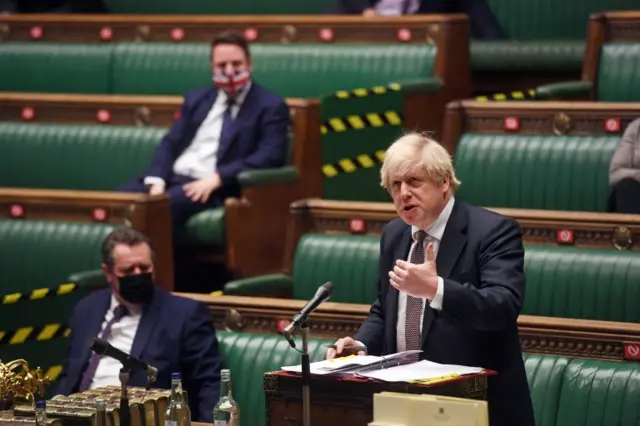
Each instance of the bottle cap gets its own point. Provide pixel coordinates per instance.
(41, 404)
(175, 376)
(101, 403)
(225, 373)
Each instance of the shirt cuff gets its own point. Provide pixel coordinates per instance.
(153, 180)
(436, 303)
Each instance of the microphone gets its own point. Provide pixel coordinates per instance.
(102, 347)
(323, 294)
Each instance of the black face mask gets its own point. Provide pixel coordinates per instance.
(137, 289)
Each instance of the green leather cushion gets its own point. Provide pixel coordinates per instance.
(204, 7)
(535, 171)
(249, 356)
(164, 68)
(544, 375)
(600, 393)
(349, 262)
(619, 73)
(511, 55)
(50, 67)
(582, 283)
(81, 157)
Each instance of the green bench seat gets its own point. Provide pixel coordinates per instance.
(206, 7)
(561, 281)
(36, 255)
(545, 172)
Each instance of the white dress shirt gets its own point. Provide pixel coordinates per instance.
(395, 7)
(434, 235)
(123, 333)
(199, 159)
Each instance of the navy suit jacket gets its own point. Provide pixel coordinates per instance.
(258, 138)
(481, 261)
(175, 334)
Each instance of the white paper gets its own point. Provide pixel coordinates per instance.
(422, 370)
(335, 365)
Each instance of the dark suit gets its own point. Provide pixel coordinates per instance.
(258, 139)
(174, 335)
(480, 259)
(483, 22)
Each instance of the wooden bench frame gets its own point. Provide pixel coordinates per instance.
(450, 33)
(148, 214)
(535, 118)
(252, 248)
(607, 27)
(560, 336)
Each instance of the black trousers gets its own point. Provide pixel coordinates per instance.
(625, 197)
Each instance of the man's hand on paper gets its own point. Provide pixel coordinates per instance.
(340, 350)
(417, 280)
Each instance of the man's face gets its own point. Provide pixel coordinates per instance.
(228, 59)
(129, 260)
(417, 198)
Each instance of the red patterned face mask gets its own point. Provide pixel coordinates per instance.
(232, 84)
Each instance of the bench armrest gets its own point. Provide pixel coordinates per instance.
(263, 285)
(93, 279)
(568, 90)
(267, 176)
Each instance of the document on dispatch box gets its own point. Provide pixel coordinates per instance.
(421, 370)
(353, 363)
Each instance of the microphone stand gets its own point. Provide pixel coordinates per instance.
(306, 375)
(125, 414)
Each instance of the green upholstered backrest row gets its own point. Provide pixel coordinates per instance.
(582, 283)
(583, 392)
(249, 356)
(535, 172)
(82, 157)
(560, 281)
(619, 73)
(199, 7)
(173, 69)
(550, 19)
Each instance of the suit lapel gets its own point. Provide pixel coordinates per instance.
(451, 246)
(246, 112)
(203, 108)
(148, 321)
(92, 330)
(401, 252)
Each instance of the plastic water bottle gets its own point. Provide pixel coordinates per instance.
(41, 413)
(178, 412)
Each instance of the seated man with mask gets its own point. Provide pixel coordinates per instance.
(170, 333)
(222, 131)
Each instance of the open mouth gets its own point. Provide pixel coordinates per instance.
(409, 208)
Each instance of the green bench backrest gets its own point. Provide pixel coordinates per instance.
(549, 19)
(172, 69)
(35, 255)
(249, 356)
(199, 7)
(349, 262)
(582, 283)
(544, 375)
(535, 171)
(81, 157)
(619, 73)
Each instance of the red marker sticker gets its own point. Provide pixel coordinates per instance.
(404, 34)
(251, 34)
(106, 33)
(281, 324)
(511, 123)
(177, 34)
(356, 226)
(325, 34)
(612, 125)
(27, 113)
(36, 32)
(99, 214)
(103, 116)
(16, 210)
(564, 236)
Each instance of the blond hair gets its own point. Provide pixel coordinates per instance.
(418, 151)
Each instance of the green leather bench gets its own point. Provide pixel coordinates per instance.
(205, 7)
(35, 255)
(561, 281)
(544, 172)
(88, 157)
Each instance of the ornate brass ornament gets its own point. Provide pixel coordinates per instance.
(142, 116)
(432, 33)
(233, 320)
(142, 32)
(561, 123)
(4, 32)
(17, 384)
(289, 34)
(622, 238)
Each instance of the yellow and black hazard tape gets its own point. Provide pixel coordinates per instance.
(34, 333)
(53, 372)
(509, 96)
(39, 293)
(350, 165)
(361, 121)
(363, 93)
